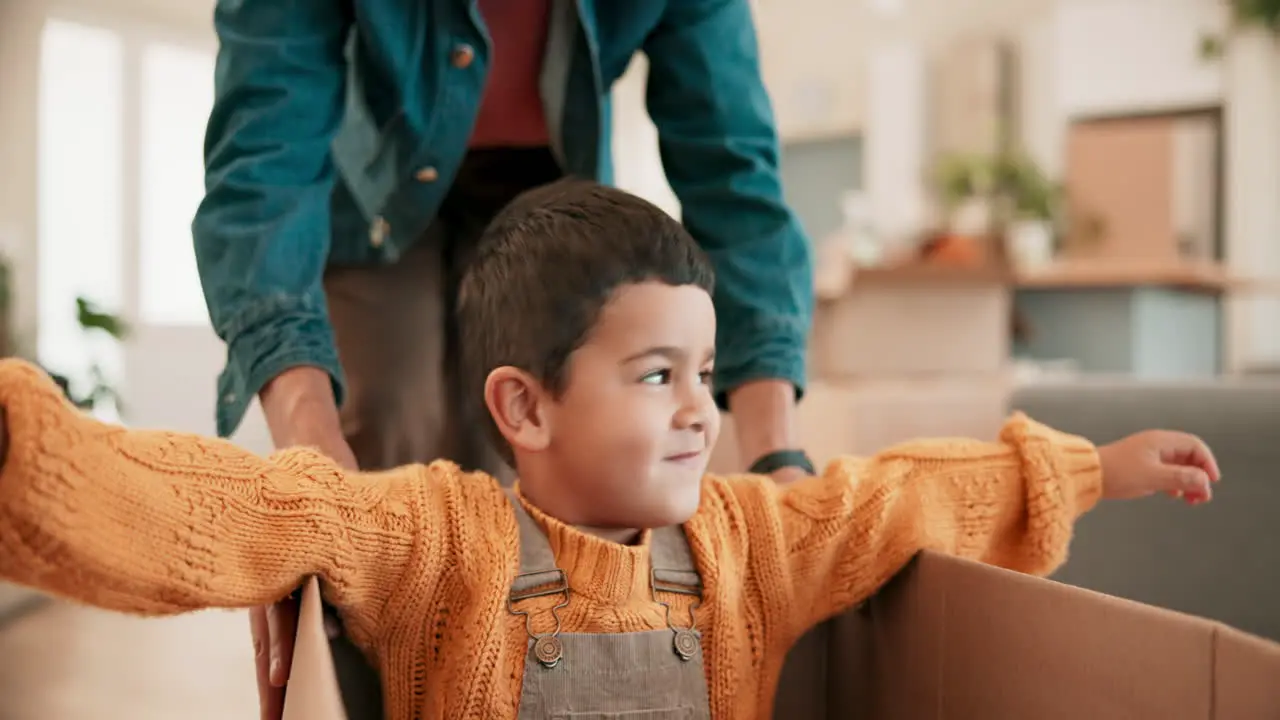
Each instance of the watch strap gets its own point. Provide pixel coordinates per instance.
(779, 459)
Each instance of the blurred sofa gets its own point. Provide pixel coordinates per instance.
(1220, 561)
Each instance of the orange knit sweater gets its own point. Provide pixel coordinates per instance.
(420, 559)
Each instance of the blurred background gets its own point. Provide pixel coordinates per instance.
(1014, 203)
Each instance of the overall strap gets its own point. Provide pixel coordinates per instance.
(672, 570)
(537, 562)
(672, 561)
(538, 576)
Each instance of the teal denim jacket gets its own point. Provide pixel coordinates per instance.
(327, 112)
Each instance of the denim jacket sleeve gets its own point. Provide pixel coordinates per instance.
(262, 232)
(719, 147)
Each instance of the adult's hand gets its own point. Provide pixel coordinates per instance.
(301, 411)
(763, 415)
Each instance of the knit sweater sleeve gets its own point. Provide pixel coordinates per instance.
(1011, 503)
(161, 522)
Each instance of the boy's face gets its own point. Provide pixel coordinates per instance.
(633, 429)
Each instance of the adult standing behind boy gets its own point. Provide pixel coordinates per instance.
(356, 150)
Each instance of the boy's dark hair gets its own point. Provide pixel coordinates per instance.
(548, 264)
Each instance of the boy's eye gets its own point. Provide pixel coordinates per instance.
(705, 377)
(657, 377)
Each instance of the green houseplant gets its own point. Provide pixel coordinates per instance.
(1014, 196)
(1032, 208)
(91, 319)
(1012, 182)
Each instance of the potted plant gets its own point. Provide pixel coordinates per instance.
(965, 185)
(1005, 195)
(1033, 210)
(91, 318)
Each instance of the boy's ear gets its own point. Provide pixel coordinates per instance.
(517, 405)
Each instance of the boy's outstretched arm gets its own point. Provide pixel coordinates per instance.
(1012, 503)
(161, 522)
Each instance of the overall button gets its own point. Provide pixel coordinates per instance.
(462, 56)
(427, 175)
(686, 644)
(548, 650)
(378, 232)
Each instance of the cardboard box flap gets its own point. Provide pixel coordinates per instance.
(958, 640)
(313, 692)
(1246, 676)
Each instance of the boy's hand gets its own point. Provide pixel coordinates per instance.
(1175, 463)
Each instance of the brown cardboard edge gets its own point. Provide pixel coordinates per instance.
(313, 692)
(960, 639)
(1246, 681)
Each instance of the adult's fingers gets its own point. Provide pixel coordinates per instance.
(270, 697)
(282, 625)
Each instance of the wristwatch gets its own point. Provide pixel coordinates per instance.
(779, 459)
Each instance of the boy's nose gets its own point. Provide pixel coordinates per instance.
(690, 416)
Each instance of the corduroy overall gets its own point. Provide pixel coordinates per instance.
(652, 675)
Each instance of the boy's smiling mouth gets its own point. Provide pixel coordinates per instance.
(685, 457)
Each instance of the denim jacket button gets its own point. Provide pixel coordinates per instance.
(462, 56)
(427, 175)
(378, 232)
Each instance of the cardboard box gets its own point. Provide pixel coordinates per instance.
(313, 692)
(958, 640)
(911, 322)
(954, 640)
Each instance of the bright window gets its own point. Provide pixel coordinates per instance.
(80, 175)
(176, 97)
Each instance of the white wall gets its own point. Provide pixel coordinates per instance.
(1042, 119)
(896, 145)
(1252, 127)
(815, 53)
(1134, 55)
(19, 58)
(637, 166)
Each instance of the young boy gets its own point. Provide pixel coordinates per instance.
(616, 580)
